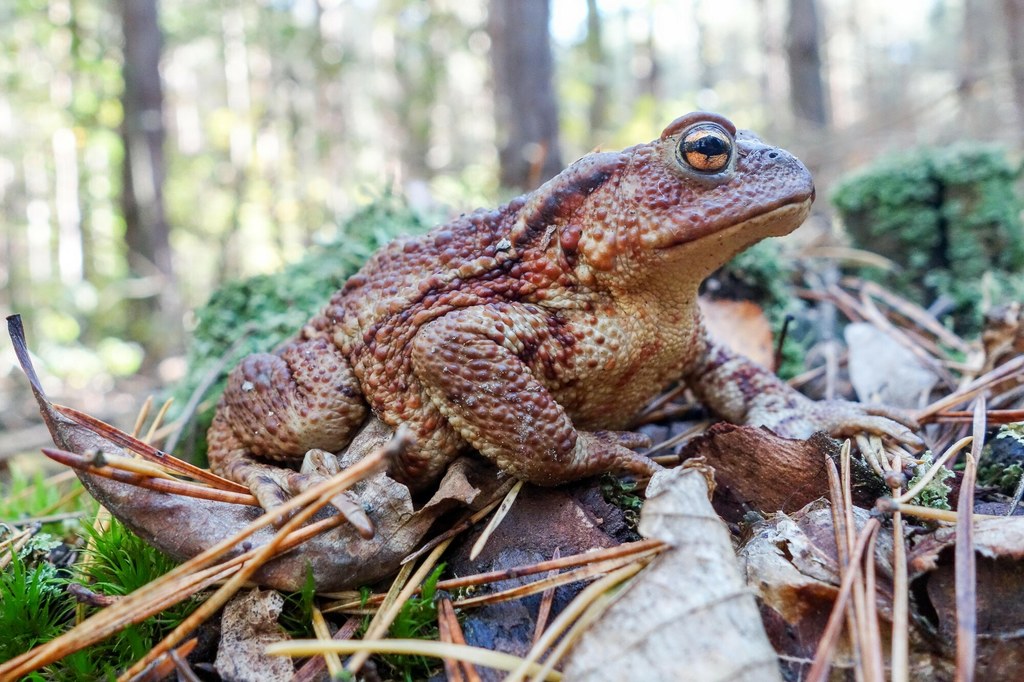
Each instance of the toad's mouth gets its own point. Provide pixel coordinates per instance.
(773, 222)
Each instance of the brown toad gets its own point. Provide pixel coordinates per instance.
(526, 331)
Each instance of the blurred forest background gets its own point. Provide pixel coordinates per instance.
(151, 151)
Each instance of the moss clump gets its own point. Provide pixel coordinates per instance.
(949, 217)
(1002, 462)
(936, 493)
(257, 314)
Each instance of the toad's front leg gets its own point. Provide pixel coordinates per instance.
(470, 363)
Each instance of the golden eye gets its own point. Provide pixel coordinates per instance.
(706, 148)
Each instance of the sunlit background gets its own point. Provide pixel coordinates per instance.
(283, 117)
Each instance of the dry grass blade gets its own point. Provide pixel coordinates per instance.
(900, 651)
(573, 611)
(331, 660)
(544, 610)
(843, 539)
(871, 642)
(118, 437)
(313, 670)
(635, 550)
(324, 492)
(140, 473)
(888, 506)
(965, 568)
(826, 645)
(583, 573)
(499, 516)
(386, 616)
(445, 616)
(991, 417)
(971, 390)
(451, 632)
(936, 466)
(173, 587)
(413, 647)
(158, 421)
(914, 313)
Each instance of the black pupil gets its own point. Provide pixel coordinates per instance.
(708, 145)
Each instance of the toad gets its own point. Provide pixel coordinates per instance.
(536, 332)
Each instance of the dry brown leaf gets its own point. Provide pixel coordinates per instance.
(689, 615)
(999, 546)
(756, 469)
(249, 624)
(742, 326)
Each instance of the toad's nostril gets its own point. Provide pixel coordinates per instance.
(773, 155)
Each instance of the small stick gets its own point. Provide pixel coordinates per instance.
(165, 485)
(499, 516)
(823, 654)
(965, 568)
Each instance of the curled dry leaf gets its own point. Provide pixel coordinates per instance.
(756, 469)
(248, 625)
(689, 615)
(792, 565)
(999, 546)
(183, 527)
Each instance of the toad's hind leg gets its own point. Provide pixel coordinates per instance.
(276, 407)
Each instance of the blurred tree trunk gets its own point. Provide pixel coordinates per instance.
(1013, 11)
(599, 64)
(156, 321)
(525, 106)
(806, 75)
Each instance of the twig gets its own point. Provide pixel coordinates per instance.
(415, 647)
(146, 480)
(544, 610)
(385, 617)
(965, 568)
(823, 654)
(499, 516)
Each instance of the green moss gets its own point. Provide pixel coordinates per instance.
(949, 217)
(936, 493)
(1002, 461)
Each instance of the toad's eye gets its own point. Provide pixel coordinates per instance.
(706, 148)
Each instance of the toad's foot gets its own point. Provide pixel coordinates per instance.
(840, 418)
(272, 486)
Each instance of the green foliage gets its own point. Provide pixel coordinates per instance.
(297, 614)
(936, 493)
(623, 494)
(950, 219)
(259, 313)
(33, 606)
(416, 620)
